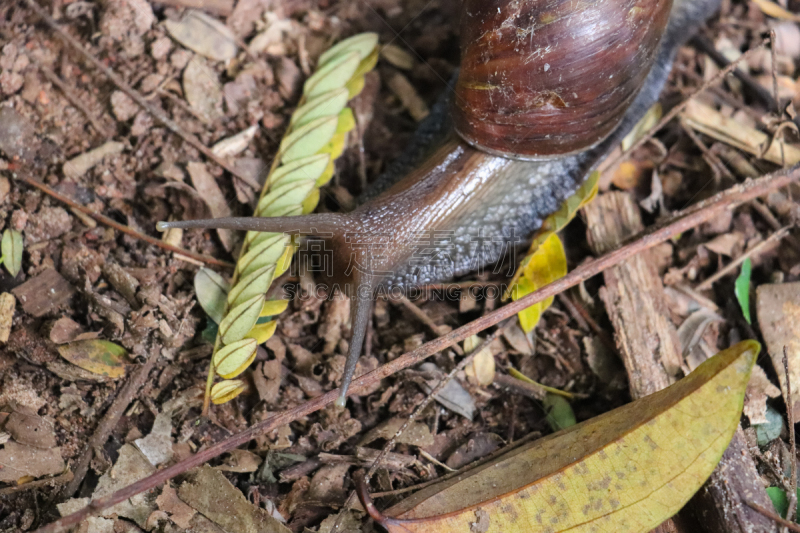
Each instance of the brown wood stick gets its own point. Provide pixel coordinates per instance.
(109, 421)
(116, 225)
(702, 213)
(773, 516)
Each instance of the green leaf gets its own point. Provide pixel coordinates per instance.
(211, 290)
(559, 412)
(363, 44)
(12, 251)
(233, 359)
(323, 105)
(251, 285)
(240, 320)
(742, 289)
(308, 139)
(779, 500)
(333, 74)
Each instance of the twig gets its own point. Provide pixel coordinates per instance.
(772, 515)
(703, 212)
(139, 99)
(790, 514)
(109, 421)
(678, 108)
(755, 250)
(58, 480)
(116, 225)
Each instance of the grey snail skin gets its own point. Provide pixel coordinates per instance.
(546, 89)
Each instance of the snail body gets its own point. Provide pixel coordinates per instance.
(443, 212)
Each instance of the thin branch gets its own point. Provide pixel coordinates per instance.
(116, 225)
(703, 212)
(772, 515)
(39, 483)
(139, 99)
(755, 250)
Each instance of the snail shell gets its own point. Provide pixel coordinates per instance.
(546, 78)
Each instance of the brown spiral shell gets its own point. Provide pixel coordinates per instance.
(544, 78)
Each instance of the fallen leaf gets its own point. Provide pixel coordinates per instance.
(7, 304)
(209, 191)
(416, 434)
(97, 356)
(481, 368)
(209, 492)
(203, 34)
(778, 307)
(19, 460)
(157, 445)
(12, 249)
(545, 265)
(771, 429)
(477, 446)
(240, 461)
(759, 389)
(26, 427)
(627, 470)
(559, 412)
(178, 511)
(350, 523)
(131, 466)
(453, 396)
(202, 89)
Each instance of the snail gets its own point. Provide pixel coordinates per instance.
(546, 89)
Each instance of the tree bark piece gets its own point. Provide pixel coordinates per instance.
(650, 349)
(634, 298)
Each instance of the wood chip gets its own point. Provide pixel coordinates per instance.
(44, 293)
(7, 303)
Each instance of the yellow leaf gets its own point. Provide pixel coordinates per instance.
(262, 332)
(482, 367)
(555, 222)
(311, 201)
(273, 307)
(547, 264)
(774, 10)
(225, 391)
(96, 356)
(627, 470)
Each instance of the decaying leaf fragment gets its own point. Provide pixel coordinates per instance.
(627, 470)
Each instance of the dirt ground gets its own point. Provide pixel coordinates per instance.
(81, 279)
